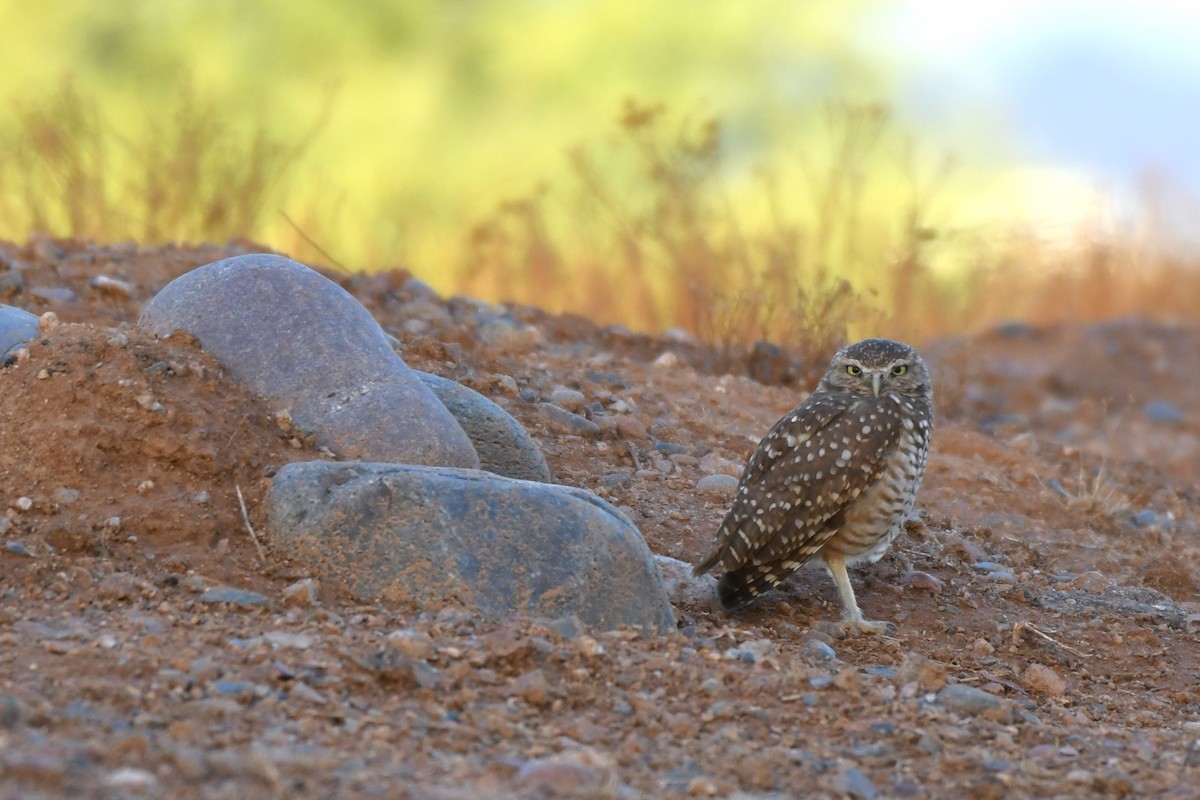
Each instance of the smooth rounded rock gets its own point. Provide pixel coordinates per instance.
(233, 596)
(720, 485)
(563, 421)
(1164, 411)
(446, 537)
(17, 326)
(683, 587)
(504, 447)
(967, 699)
(298, 339)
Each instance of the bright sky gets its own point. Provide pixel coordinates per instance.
(1098, 95)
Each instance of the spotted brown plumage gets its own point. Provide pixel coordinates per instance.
(835, 478)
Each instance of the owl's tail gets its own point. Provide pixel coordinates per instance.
(737, 588)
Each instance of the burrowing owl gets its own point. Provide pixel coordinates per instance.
(835, 478)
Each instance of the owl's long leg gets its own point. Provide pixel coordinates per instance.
(852, 616)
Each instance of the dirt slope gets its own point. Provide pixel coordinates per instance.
(1055, 567)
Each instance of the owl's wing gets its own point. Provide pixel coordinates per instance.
(814, 462)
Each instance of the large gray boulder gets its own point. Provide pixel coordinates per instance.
(17, 326)
(303, 342)
(503, 445)
(492, 545)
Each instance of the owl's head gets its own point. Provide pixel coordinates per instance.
(876, 367)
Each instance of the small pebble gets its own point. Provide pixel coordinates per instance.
(130, 779)
(915, 579)
(1043, 680)
(568, 627)
(631, 428)
(559, 776)
(1144, 518)
(570, 399)
(713, 463)
(112, 286)
(848, 680)
(1164, 412)
(855, 784)
(234, 597)
(301, 594)
(963, 547)
(818, 650)
(242, 691)
(53, 294)
(412, 643)
(967, 699)
(533, 688)
(720, 486)
(1080, 776)
(65, 495)
(1014, 329)
(303, 691)
(12, 711)
(1092, 581)
(983, 647)
(563, 421)
(11, 281)
(615, 479)
(17, 549)
(667, 360)
(288, 641)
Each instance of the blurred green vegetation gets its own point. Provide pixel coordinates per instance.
(725, 167)
(430, 111)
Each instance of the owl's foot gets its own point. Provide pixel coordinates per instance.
(853, 622)
(855, 625)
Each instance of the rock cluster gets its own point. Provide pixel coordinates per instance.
(409, 516)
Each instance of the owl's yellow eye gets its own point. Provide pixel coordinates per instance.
(854, 369)
(900, 369)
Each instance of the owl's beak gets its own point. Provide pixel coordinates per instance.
(876, 383)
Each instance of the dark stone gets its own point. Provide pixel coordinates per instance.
(1014, 329)
(12, 711)
(504, 447)
(1145, 518)
(1163, 411)
(967, 699)
(857, 785)
(11, 281)
(234, 597)
(53, 294)
(444, 537)
(610, 379)
(17, 326)
(563, 421)
(301, 341)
